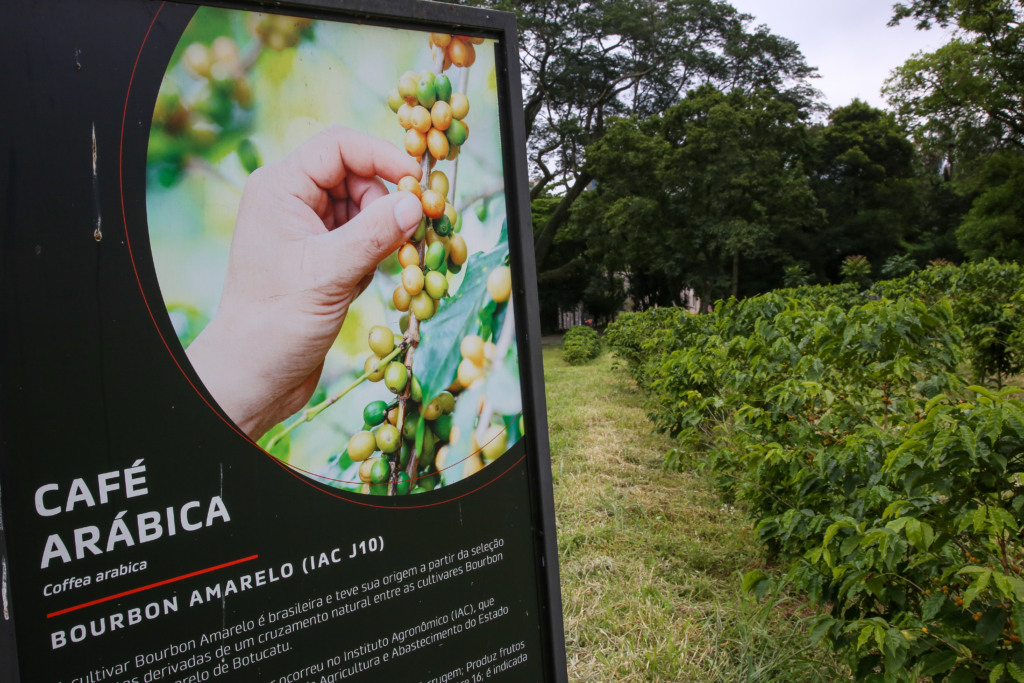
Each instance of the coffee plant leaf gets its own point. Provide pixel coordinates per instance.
(938, 663)
(437, 357)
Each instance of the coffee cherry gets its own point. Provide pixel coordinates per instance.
(401, 299)
(415, 143)
(433, 410)
(412, 280)
(425, 92)
(441, 39)
(197, 60)
(443, 426)
(366, 468)
(408, 255)
(409, 426)
(423, 306)
(416, 391)
(402, 484)
(403, 322)
(472, 349)
(410, 184)
(433, 203)
(373, 368)
(461, 53)
(495, 441)
(441, 115)
(499, 283)
(458, 251)
(361, 446)
(457, 133)
(469, 372)
(434, 256)
(460, 106)
(447, 401)
(443, 88)
(396, 376)
(441, 458)
(395, 100)
(380, 472)
(437, 143)
(382, 340)
(375, 412)
(407, 86)
(472, 465)
(405, 116)
(420, 119)
(386, 438)
(435, 284)
(421, 229)
(443, 226)
(393, 416)
(438, 182)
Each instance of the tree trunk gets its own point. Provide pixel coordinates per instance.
(546, 237)
(735, 274)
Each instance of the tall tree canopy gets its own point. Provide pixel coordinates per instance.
(687, 198)
(586, 62)
(864, 174)
(964, 105)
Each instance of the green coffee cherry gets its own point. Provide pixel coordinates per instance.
(386, 438)
(361, 446)
(396, 376)
(435, 284)
(375, 412)
(380, 472)
(443, 88)
(382, 340)
(402, 485)
(435, 255)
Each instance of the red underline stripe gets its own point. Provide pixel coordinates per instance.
(152, 585)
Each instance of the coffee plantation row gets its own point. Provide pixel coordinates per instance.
(876, 438)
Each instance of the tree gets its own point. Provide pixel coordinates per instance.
(863, 173)
(585, 63)
(994, 227)
(964, 105)
(687, 198)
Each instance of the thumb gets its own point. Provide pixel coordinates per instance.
(350, 252)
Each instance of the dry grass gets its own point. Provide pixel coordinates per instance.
(651, 561)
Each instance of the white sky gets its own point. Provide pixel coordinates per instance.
(848, 40)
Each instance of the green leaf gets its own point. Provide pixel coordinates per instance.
(932, 605)
(938, 662)
(996, 673)
(990, 626)
(979, 585)
(1015, 671)
(752, 578)
(961, 676)
(979, 518)
(895, 650)
(282, 448)
(437, 356)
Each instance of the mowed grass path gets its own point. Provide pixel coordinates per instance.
(651, 561)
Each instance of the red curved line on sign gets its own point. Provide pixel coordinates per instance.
(128, 241)
(131, 255)
(152, 585)
(400, 507)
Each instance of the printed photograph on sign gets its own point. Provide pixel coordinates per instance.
(327, 219)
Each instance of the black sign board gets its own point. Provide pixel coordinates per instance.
(271, 400)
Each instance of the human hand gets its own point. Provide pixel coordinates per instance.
(310, 231)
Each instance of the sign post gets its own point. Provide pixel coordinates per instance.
(271, 398)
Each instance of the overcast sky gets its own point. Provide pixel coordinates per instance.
(848, 40)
